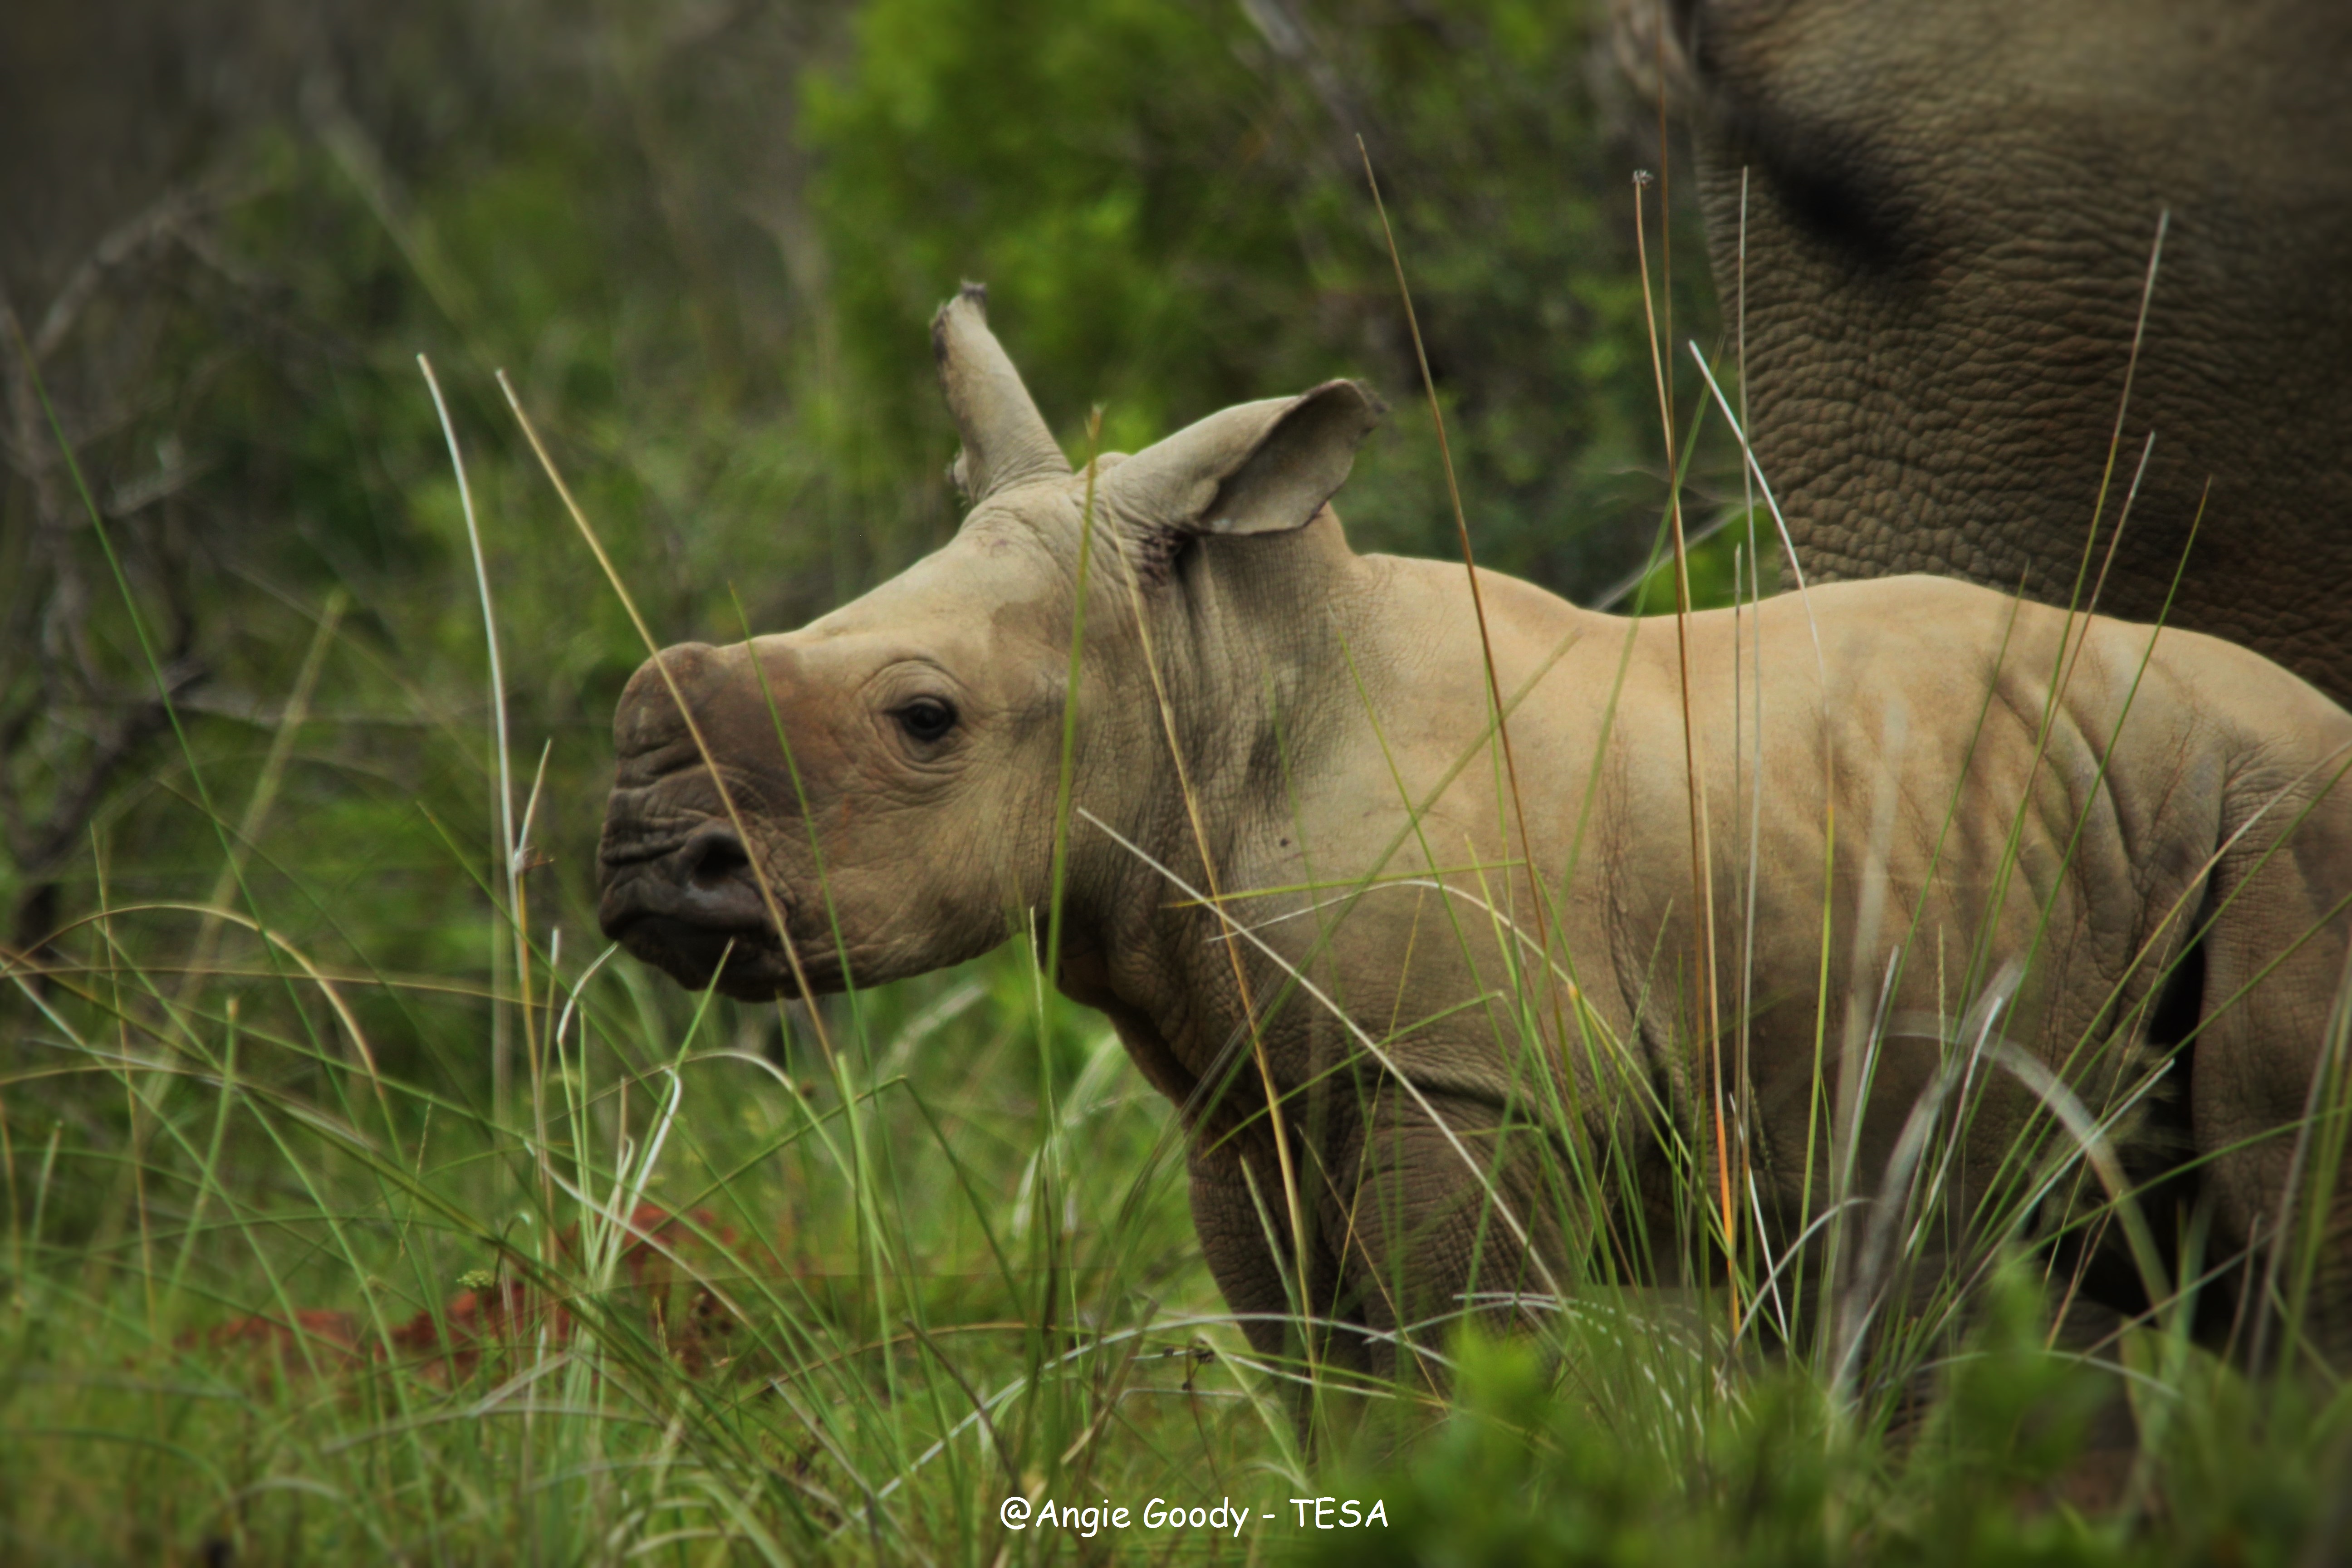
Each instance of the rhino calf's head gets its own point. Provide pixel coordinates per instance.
(879, 787)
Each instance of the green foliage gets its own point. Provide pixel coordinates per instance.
(1522, 1471)
(1753, 1464)
(1169, 208)
(2014, 1413)
(1719, 572)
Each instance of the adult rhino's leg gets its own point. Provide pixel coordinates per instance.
(1428, 1220)
(2261, 1091)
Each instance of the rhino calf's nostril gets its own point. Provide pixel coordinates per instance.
(712, 857)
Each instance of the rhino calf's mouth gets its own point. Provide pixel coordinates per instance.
(691, 907)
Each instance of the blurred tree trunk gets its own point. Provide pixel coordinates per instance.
(113, 109)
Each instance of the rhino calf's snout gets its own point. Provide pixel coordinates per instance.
(712, 864)
(695, 898)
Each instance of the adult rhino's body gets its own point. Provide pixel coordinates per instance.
(1940, 216)
(1328, 714)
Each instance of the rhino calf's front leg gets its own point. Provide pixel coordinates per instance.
(1243, 1220)
(1435, 1223)
(1412, 1227)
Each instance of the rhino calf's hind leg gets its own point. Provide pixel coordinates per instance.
(2267, 1110)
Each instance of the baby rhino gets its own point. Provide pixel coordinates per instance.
(1449, 1016)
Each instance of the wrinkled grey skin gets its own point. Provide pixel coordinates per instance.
(1950, 208)
(1315, 699)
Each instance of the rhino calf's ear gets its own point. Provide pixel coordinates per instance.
(1300, 462)
(1259, 468)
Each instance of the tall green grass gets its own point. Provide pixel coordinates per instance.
(266, 1300)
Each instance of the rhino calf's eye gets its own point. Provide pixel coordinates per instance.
(926, 719)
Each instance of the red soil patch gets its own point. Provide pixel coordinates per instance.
(686, 1316)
